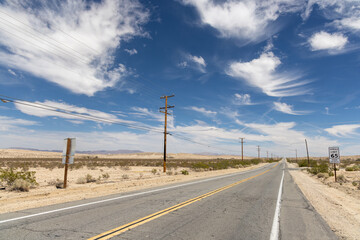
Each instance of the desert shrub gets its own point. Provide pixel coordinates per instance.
(125, 176)
(20, 185)
(169, 173)
(341, 179)
(184, 172)
(318, 168)
(302, 163)
(59, 183)
(354, 183)
(322, 175)
(89, 178)
(81, 180)
(126, 168)
(154, 171)
(105, 175)
(9, 176)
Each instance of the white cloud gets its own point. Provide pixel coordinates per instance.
(352, 23)
(7, 123)
(327, 41)
(343, 130)
(144, 112)
(199, 60)
(69, 43)
(242, 99)
(261, 73)
(12, 72)
(44, 109)
(131, 51)
(198, 63)
(288, 109)
(249, 19)
(202, 110)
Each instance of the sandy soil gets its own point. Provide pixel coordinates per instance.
(338, 204)
(18, 153)
(138, 178)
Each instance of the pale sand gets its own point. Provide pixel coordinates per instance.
(334, 203)
(139, 178)
(18, 153)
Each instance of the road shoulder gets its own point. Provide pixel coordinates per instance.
(338, 209)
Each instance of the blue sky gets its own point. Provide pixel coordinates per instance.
(274, 72)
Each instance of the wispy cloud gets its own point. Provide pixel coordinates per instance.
(12, 72)
(327, 41)
(7, 123)
(242, 99)
(195, 62)
(261, 73)
(70, 43)
(288, 109)
(202, 111)
(346, 130)
(131, 51)
(45, 109)
(144, 112)
(247, 20)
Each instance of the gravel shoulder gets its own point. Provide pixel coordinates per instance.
(339, 206)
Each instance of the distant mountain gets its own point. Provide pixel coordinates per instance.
(86, 152)
(208, 153)
(111, 152)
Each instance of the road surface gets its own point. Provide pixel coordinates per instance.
(264, 203)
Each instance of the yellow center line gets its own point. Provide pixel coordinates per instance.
(116, 231)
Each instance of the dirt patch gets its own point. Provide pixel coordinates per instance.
(121, 179)
(338, 204)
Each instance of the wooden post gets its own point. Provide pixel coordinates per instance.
(68, 148)
(335, 170)
(242, 149)
(307, 151)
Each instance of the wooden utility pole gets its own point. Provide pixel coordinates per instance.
(242, 149)
(307, 151)
(258, 148)
(165, 125)
(68, 149)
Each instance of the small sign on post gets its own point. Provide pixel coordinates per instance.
(334, 157)
(68, 155)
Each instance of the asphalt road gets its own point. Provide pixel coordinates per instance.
(236, 206)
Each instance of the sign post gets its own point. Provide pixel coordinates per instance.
(68, 155)
(334, 157)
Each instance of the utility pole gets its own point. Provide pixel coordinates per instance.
(267, 155)
(307, 151)
(258, 148)
(166, 113)
(242, 149)
(296, 155)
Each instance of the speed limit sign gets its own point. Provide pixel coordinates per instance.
(334, 155)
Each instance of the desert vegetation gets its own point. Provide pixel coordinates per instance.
(19, 173)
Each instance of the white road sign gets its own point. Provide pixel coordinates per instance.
(72, 151)
(334, 154)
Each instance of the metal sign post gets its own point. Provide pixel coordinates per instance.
(334, 157)
(68, 155)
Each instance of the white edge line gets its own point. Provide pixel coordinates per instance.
(275, 226)
(125, 196)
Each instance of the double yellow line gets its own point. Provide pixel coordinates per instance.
(116, 231)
